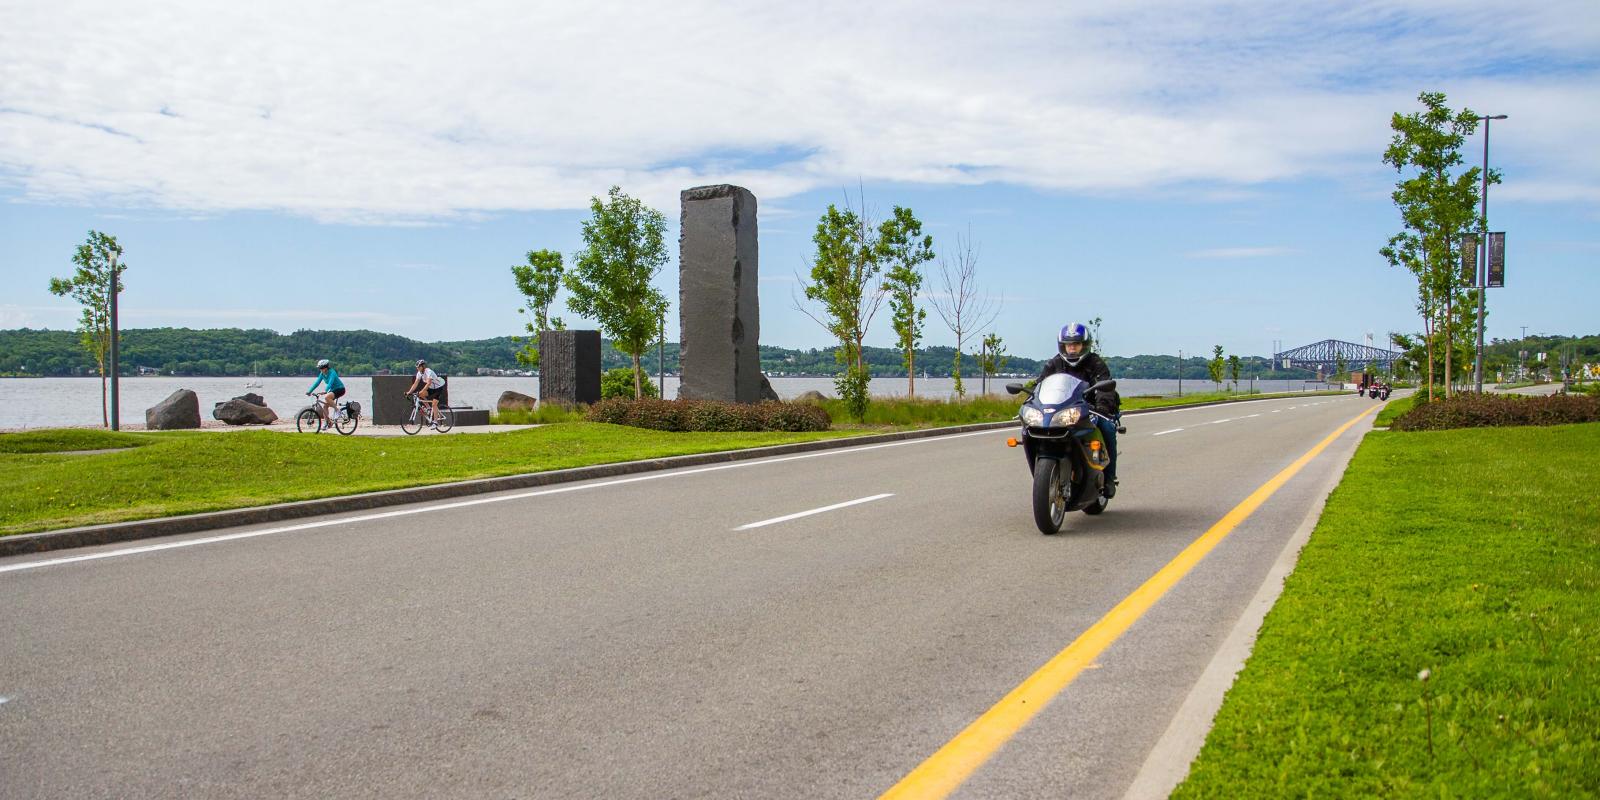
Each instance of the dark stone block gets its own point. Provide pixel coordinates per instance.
(569, 367)
(470, 416)
(718, 305)
(390, 406)
(181, 410)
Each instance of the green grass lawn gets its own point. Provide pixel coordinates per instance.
(1392, 409)
(1473, 555)
(189, 472)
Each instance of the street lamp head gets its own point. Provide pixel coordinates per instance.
(1498, 116)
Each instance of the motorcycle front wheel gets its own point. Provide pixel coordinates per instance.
(1049, 503)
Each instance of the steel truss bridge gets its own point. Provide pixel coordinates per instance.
(1326, 355)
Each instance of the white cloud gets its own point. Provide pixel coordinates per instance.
(406, 112)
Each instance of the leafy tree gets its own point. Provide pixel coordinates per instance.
(1233, 369)
(1214, 366)
(1436, 207)
(960, 305)
(1340, 367)
(97, 264)
(538, 280)
(624, 248)
(906, 249)
(848, 259)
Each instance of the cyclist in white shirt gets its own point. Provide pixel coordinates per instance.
(428, 383)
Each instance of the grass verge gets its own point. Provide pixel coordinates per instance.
(64, 440)
(1471, 554)
(900, 412)
(1393, 409)
(190, 472)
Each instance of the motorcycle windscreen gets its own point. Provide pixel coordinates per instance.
(1058, 389)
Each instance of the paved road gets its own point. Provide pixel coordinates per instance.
(647, 637)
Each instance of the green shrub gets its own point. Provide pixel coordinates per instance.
(709, 415)
(1468, 410)
(619, 383)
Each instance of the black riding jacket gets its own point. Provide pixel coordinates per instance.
(1091, 369)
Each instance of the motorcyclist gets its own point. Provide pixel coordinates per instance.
(1074, 358)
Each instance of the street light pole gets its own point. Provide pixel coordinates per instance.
(1483, 262)
(1180, 372)
(115, 400)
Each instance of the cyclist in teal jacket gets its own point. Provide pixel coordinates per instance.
(326, 373)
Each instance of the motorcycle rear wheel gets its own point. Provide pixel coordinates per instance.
(1049, 502)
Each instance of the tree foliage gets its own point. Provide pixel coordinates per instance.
(538, 281)
(845, 267)
(906, 249)
(624, 249)
(1436, 206)
(97, 262)
(1215, 365)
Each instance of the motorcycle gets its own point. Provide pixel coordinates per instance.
(1066, 452)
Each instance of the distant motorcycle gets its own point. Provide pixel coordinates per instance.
(1066, 452)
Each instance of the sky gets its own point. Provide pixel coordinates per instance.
(1191, 173)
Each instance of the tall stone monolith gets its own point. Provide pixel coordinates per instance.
(569, 367)
(718, 308)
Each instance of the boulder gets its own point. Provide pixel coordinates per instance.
(812, 396)
(767, 392)
(514, 401)
(239, 411)
(181, 410)
(252, 398)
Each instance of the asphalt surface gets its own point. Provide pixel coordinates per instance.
(649, 637)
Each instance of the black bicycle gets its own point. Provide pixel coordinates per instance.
(346, 416)
(422, 416)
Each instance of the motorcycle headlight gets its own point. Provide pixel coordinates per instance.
(1032, 417)
(1065, 418)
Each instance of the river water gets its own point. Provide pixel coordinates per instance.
(63, 402)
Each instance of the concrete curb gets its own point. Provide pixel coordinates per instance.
(112, 533)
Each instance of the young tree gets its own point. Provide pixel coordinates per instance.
(844, 279)
(960, 305)
(1340, 368)
(1234, 366)
(993, 357)
(97, 263)
(1436, 207)
(623, 249)
(538, 280)
(905, 249)
(1214, 366)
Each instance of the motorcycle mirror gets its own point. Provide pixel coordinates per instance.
(1014, 388)
(1104, 385)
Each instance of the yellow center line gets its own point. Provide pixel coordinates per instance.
(945, 771)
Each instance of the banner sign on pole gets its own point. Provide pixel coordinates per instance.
(1469, 259)
(1497, 260)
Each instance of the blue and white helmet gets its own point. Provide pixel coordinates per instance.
(1073, 332)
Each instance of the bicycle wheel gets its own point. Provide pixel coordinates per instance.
(344, 423)
(307, 421)
(447, 419)
(412, 425)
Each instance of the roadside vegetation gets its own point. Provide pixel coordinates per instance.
(189, 472)
(1439, 636)
(1470, 410)
(66, 440)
